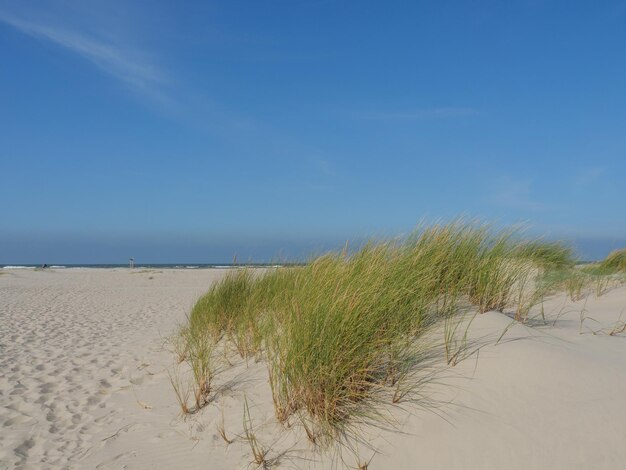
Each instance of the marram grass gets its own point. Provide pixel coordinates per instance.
(340, 334)
(615, 262)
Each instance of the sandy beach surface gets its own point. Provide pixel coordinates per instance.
(85, 383)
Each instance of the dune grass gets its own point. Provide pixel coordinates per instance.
(181, 390)
(338, 340)
(220, 311)
(615, 261)
(259, 452)
(547, 254)
(342, 333)
(579, 281)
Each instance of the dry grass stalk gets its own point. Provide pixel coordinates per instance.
(222, 430)
(259, 453)
(181, 390)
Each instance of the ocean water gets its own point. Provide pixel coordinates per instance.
(147, 266)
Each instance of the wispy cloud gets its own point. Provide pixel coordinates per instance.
(123, 63)
(424, 113)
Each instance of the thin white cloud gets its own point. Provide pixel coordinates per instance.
(425, 113)
(122, 63)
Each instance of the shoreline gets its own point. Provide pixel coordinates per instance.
(145, 266)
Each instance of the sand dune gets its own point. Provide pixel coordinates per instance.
(84, 384)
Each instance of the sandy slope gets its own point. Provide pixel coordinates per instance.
(84, 384)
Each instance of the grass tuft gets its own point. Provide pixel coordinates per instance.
(259, 453)
(615, 261)
(181, 390)
(342, 334)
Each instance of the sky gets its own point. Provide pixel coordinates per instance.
(196, 131)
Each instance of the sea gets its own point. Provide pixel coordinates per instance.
(149, 266)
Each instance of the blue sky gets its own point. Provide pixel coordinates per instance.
(193, 131)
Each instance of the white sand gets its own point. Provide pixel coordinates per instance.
(83, 384)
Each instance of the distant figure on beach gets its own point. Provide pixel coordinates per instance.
(44, 266)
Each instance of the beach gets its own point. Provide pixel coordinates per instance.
(86, 371)
(74, 341)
